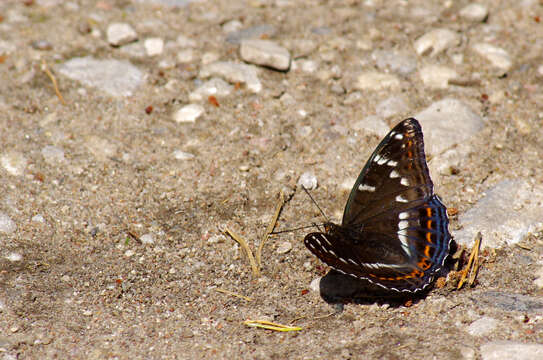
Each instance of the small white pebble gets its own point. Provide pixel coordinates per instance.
(308, 180)
(7, 225)
(315, 285)
(14, 257)
(129, 253)
(120, 34)
(154, 46)
(181, 155)
(38, 218)
(188, 113)
(284, 247)
(147, 239)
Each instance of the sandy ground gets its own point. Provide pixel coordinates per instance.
(76, 279)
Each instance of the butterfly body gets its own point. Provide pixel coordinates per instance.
(394, 232)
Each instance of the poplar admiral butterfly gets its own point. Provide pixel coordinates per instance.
(394, 235)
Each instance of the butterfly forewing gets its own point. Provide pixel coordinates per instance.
(395, 230)
(395, 175)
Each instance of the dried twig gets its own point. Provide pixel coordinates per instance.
(472, 268)
(270, 228)
(263, 324)
(233, 294)
(53, 80)
(244, 245)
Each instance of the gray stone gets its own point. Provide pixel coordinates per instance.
(437, 76)
(498, 57)
(185, 42)
(6, 47)
(265, 53)
(251, 33)
(188, 113)
(134, 50)
(505, 215)
(186, 56)
(436, 41)
(119, 34)
(215, 86)
(394, 61)
(444, 162)
(372, 124)
(101, 148)
(474, 12)
(53, 155)
(13, 162)
(391, 106)
(7, 226)
(483, 326)
(231, 26)
(509, 301)
(114, 77)
(308, 66)
(511, 350)
(233, 72)
(376, 81)
(353, 98)
(446, 123)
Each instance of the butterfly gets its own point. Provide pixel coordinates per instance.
(394, 233)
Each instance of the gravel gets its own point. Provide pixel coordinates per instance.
(182, 119)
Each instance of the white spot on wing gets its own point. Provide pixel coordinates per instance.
(403, 215)
(377, 158)
(403, 224)
(394, 174)
(404, 182)
(392, 163)
(398, 136)
(364, 187)
(401, 199)
(382, 160)
(325, 240)
(405, 243)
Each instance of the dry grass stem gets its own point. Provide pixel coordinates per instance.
(263, 324)
(234, 294)
(53, 80)
(248, 251)
(270, 228)
(472, 267)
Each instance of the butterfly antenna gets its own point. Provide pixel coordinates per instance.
(317, 205)
(295, 229)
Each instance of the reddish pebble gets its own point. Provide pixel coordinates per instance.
(213, 100)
